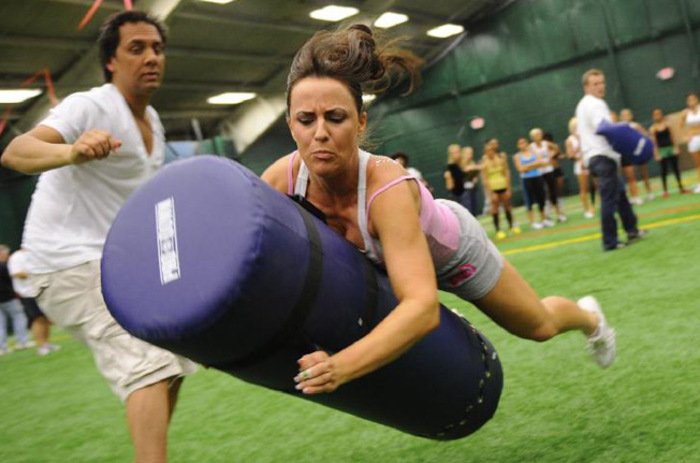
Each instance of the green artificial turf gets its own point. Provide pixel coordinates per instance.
(557, 405)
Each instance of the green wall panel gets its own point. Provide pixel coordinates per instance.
(467, 66)
(522, 68)
(692, 7)
(551, 28)
(489, 50)
(629, 20)
(664, 16)
(585, 19)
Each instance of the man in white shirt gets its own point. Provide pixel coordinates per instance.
(93, 150)
(604, 162)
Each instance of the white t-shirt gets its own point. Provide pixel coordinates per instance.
(73, 206)
(589, 114)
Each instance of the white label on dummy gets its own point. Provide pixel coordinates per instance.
(166, 233)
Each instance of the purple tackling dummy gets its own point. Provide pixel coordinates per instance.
(209, 262)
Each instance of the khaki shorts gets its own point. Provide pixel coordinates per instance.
(72, 299)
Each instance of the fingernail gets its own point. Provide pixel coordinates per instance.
(297, 387)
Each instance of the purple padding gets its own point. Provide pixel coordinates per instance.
(224, 256)
(244, 253)
(627, 141)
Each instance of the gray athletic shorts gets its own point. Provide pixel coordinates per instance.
(72, 299)
(477, 264)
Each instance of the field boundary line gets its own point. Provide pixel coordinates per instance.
(595, 236)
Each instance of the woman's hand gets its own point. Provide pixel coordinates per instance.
(318, 372)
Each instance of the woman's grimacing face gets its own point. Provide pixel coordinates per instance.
(325, 124)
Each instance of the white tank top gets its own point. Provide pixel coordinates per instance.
(543, 151)
(693, 117)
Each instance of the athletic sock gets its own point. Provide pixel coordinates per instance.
(496, 222)
(509, 217)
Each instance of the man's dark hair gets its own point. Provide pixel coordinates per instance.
(109, 34)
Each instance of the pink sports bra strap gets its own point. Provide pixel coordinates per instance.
(386, 187)
(369, 242)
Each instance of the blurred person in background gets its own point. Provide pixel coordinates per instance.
(11, 308)
(690, 121)
(628, 168)
(573, 152)
(665, 150)
(496, 178)
(528, 163)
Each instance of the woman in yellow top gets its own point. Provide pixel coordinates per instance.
(496, 177)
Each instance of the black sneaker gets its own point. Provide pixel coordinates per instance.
(616, 247)
(634, 237)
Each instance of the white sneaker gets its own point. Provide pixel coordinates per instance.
(547, 223)
(601, 344)
(589, 214)
(24, 345)
(697, 188)
(536, 226)
(562, 218)
(651, 197)
(47, 348)
(637, 201)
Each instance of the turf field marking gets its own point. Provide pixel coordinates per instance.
(595, 236)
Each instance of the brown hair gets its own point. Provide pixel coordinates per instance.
(589, 73)
(353, 57)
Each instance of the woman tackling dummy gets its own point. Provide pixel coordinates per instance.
(424, 244)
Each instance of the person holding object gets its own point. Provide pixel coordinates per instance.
(93, 150)
(424, 244)
(604, 162)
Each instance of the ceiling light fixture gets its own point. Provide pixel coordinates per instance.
(334, 13)
(446, 30)
(220, 2)
(390, 19)
(17, 96)
(231, 98)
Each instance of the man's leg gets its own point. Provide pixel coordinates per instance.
(3, 329)
(627, 215)
(609, 186)
(148, 415)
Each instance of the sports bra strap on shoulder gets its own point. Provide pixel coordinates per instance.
(386, 187)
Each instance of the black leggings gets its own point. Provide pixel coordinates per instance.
(550, 179)
(534, 186)
(673, 161)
